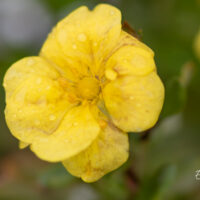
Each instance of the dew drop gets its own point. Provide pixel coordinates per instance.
(74, 46)
(62, 36)
(38, 81)
(131, 97)
(44, 139)
(112, 12)
(37, 122)
(48, 87)
(30, 61)
(82, 37)
(75, 123)
(52, 117)
(150, 94)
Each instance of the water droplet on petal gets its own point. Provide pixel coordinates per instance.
(82, 37)
(74, 46)
(75, 123)
(52, 117)
(38, 81)
(112, 12)
(37, 122)
(48, 87)
(62, 36)
(131, 97)
(30, 61)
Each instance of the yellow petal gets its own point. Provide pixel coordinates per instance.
(134, 102)
(131, 58)
(23, 69)
(23, 145)
(36, 102)
(52, 52)
(128, 40)
(107, 152)
(76, 132)
(83, 39)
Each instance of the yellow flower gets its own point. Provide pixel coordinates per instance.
(197, 45)
(91, 83)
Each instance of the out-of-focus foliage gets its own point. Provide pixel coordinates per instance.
(197, 45)
(164, 160)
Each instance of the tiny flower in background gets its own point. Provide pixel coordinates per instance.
(197, 45)
(91, 83)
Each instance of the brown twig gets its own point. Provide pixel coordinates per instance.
(127, 27)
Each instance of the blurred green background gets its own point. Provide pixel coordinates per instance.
(164, 160)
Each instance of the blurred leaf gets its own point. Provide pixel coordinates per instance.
(175, 96)
(82, 191)
(18, 191)
(56, 5)
(55, 177)
(155, 187)
(113, 186)
(176, 91)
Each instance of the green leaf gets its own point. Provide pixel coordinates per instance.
(156, 186)
(56, 5)
(113, 186)
(55, 177)
(176, 91)
(175, 96)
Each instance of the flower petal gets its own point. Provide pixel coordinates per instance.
(126, 39)
(83, 39)
(130, 58)
(23, 145)
(107, 152)
(23, 69)
(76, 132)
(134, 102)
(36, 102)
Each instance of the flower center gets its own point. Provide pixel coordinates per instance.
(88, 88)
